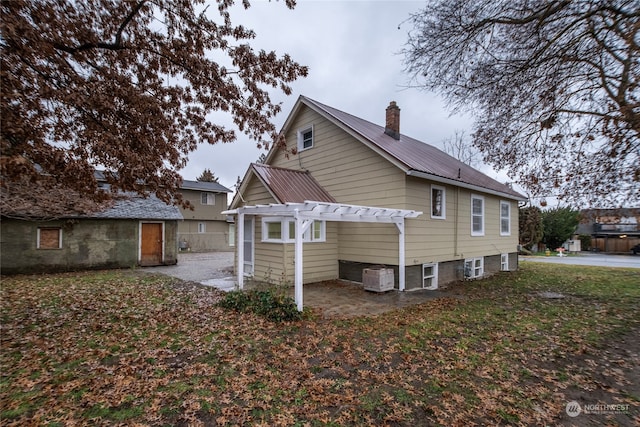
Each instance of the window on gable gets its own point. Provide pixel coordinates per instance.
(49, 238)
(437, 202)
(505, 218)
(305, 138)
(207, 198)
(477, 215)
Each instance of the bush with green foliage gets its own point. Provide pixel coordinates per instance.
(559, 224)
(269, 303)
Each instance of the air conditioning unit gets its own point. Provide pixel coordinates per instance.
(377, 279)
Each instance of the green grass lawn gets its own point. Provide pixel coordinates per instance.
(124, 347)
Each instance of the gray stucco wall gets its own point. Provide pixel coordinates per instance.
(86, 244)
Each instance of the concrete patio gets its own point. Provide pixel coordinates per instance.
(334, 299)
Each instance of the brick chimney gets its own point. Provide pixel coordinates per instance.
(392, 126)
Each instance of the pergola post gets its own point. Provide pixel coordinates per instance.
(301, 227)
(305, 214)
(240, 252)
(401, 262)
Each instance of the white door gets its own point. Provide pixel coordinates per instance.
(248, 246)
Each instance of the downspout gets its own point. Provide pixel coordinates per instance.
(455, 224)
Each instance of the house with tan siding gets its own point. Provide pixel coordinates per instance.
(345, 195)
(204, 227)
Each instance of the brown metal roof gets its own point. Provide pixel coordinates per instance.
(291, 186)
(415, 155)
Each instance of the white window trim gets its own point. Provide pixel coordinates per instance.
(202, 227)
(211, 198)
(49, 228)
(504, 262)
(474, 272)
(232, 235)
(481, 198)
(265, 229)
(285, 223)
(301, 132)
(444, 202)
(434, 276)
(508, 218)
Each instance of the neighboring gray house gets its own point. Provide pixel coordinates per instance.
(204, 228)
(134, 231)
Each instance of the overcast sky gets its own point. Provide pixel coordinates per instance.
(352, 50)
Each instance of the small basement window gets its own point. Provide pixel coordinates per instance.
(504, 262)
(430, 276)
(49, 238)
(473, 268)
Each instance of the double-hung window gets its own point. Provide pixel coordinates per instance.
(505, 218)
(305, 138)
(207, 198)
(438, 202)
(477, 215)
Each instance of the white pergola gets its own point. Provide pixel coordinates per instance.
(309, 211)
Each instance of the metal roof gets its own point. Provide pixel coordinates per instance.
(306, 213)
(291, 186)
(416, 157)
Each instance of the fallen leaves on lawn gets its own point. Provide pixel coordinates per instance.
(105, 348)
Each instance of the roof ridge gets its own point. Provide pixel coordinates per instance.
(412, 153)
(281, 168)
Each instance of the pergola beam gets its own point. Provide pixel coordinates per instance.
(309, 211)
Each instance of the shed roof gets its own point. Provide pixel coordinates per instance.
(414, 157)
(214, 187)
(136, 207)
(291, 186)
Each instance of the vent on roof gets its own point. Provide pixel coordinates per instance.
(392, 125)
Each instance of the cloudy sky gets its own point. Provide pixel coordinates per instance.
(352, 50)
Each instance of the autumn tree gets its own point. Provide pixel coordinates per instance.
(530, 226)
(128, 87)
(462, 149)
(207, 176)
(553, 87)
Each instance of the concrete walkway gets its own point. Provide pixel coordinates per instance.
(589, 258)
(209, 268)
